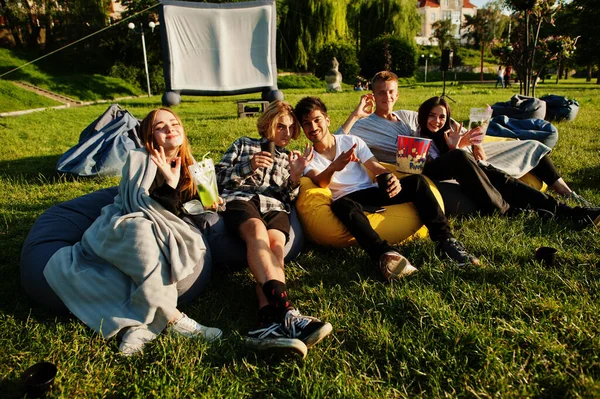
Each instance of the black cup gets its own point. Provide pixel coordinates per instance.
(269, 147)
(383, 180)
(38, 379)
(546, 255)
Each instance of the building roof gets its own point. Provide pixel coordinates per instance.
(428, 3)
(436, 3)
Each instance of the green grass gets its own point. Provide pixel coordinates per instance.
(80, 87)
(511, 329)
(14, 98)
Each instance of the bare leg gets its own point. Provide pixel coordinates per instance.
(560, 187)
(264, 252)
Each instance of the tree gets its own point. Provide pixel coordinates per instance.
(581, 18)
(530, 16)
(443, 32)
(370, 19)
(305, 26)
(488, 24)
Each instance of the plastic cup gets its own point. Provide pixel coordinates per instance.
(38, 379)
(479, 117)
(546, 255)
(206, 181)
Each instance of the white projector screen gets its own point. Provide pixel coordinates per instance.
(219, 49)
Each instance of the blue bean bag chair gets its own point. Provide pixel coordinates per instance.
(63, 225)
(521, 107)
(560, 108)
(228, 250)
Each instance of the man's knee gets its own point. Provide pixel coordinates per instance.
(343, 206)
(252, 229)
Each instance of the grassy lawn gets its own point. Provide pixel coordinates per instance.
(79, 87)
(511, 329)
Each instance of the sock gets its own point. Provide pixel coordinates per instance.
(267, 315)
(276, 293)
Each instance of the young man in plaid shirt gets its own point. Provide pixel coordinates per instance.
(258, 180)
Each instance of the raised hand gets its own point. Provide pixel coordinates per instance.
(344, 159)
(171, 170)
(365, 106)
(261, 160)
(454, 138)
(298, 162)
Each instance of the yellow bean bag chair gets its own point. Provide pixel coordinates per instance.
(396, 224)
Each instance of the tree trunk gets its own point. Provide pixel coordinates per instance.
(598, 76)
(589, 73)
(558, 69)
(481, 66)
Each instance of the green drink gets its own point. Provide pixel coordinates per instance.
(205, 178)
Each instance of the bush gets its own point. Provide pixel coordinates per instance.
(388, 53)
(346, 56)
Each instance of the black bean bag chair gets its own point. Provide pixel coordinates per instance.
(228, 250)
(63, 225)
(521, 107)
(560, 108)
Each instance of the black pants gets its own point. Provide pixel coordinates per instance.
(490, 188)
(415, 189)
(546, 171)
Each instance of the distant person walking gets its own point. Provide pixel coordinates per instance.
(500, 77)
(507, 73)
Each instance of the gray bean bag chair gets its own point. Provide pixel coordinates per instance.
(560, 108)
(63, 225)
(521, 107)
(228, 250)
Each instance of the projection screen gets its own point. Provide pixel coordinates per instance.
(219, 49)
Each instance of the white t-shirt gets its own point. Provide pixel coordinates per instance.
(354, 177)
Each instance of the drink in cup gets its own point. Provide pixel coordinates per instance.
(269, 147)
(479, 117)
(205, 178)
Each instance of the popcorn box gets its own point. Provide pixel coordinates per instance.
(412, 153)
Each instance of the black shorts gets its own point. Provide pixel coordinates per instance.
(239, 211)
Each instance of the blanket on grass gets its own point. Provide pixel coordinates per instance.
(123, 272)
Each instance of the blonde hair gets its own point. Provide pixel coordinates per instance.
(267, 123)
(384, 76)
(186, 187)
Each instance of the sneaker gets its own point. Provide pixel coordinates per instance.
(394, 266)
(456, 251)
(275, 339)
(584, 216)
(132, 348)
(309, 330)
(580, 200)
(190, 328)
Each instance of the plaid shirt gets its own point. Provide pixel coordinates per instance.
(238, 181)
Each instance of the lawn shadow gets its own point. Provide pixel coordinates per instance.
(33, 169)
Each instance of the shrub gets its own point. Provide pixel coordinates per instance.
(388, 53)
(346, 56)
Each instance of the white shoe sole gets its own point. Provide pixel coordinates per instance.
(398, 269)
(279, 346)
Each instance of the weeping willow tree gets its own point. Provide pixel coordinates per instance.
(372, 18)
(305, 26)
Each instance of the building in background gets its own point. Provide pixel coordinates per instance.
(435, 10)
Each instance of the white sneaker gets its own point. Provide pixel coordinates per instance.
(190, 328)
(394, 266)
(130, 349)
